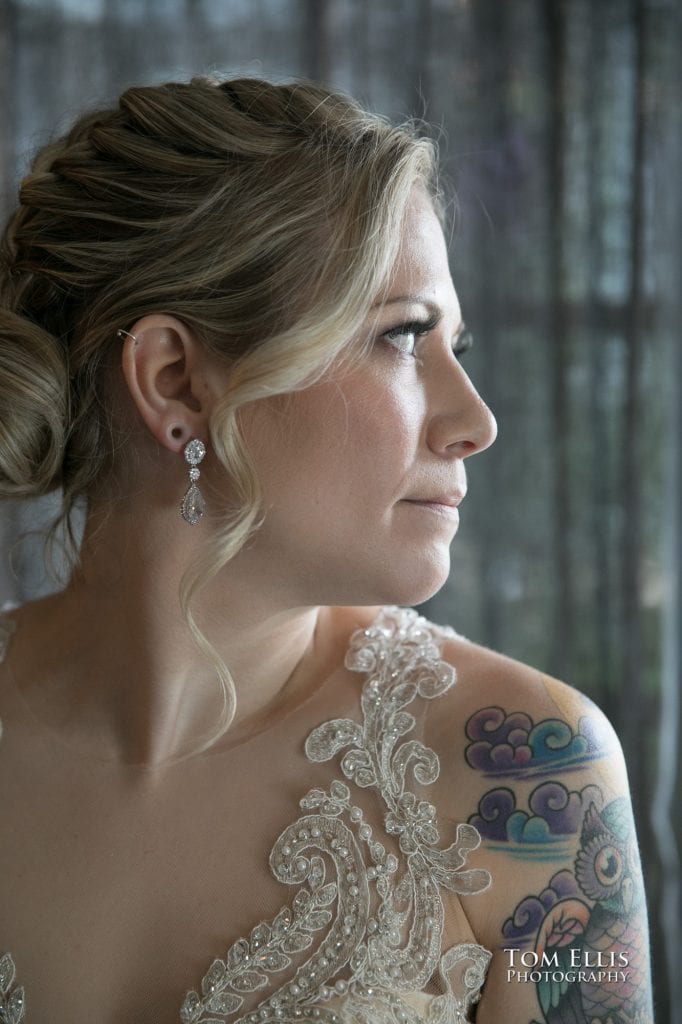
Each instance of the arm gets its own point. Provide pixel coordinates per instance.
(566, 915)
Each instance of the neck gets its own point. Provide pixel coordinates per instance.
(127, 678)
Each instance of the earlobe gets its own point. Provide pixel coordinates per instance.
(162, 362)
(176, 433)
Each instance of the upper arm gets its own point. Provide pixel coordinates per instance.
(542, 777)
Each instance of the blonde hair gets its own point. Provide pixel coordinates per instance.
(264, 216)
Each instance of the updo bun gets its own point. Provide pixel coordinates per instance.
(264, 216)
(33, 407)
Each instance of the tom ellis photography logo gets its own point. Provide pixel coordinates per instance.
(573, 965)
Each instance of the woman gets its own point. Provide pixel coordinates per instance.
(250, 282)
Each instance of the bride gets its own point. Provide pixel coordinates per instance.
(237, 782)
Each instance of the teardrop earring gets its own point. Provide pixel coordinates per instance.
(193, 506)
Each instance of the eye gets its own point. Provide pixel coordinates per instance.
(463, 343)
(608, 865)
(404, 336)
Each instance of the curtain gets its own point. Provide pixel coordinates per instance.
(560, 127)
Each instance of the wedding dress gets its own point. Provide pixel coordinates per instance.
(367, 877)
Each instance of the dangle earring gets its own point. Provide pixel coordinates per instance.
(193, 506)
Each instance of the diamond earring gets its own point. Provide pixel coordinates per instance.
(193, 506)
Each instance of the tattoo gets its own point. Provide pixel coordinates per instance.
(585, 934)
(541, 833)
(513, 745)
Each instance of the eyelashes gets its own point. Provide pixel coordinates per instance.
(464, 342)
(404, 336)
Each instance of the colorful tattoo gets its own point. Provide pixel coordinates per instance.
(543, 832)
(513, 745)
(582, 941)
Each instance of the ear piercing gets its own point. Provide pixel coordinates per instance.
(193, 505)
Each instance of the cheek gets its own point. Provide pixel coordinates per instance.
(339, 444)
(333, 464)
(365, 438)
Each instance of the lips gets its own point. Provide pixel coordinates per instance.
(450, 500)
(443, 506)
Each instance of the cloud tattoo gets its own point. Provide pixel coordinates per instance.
(512, 745)
(554, 813)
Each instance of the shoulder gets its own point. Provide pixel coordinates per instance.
(537, 769)
(522, 754)
(488, 675)
(515, 713)
(7, 628)
(512, 717)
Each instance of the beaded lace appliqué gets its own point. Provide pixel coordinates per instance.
(11, 999)
(376, 926)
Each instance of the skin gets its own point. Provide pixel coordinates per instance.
(347, 469)
(488, 680)
(343, 469)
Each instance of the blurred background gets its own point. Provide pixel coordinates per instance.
(560, 123)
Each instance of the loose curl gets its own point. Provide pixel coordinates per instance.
(266, 217)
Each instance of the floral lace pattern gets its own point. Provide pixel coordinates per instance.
(373, 919)
(381, 941)
(11, 999)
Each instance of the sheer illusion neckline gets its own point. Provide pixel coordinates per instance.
(361, 941)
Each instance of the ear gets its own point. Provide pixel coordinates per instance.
(167, 369)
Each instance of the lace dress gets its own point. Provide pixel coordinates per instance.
(362, 939)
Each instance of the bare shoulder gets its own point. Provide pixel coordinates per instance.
(512, 716)
(537, 769)
(484, 674)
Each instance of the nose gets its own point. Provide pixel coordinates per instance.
(461, 424)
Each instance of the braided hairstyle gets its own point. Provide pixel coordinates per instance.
(264, 216)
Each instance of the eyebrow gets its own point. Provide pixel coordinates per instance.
(415, 299)
(434, 309)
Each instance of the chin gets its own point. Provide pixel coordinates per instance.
(416, 583)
